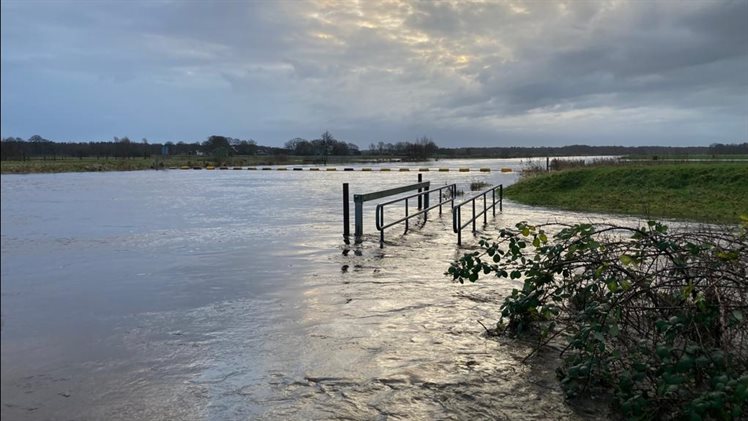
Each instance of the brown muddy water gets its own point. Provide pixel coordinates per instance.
(212, 295)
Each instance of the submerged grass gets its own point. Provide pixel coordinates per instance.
(706, 192)
(479, 185)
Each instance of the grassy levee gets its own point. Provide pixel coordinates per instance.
(683, 157)
(706, 192)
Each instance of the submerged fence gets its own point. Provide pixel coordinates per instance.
(457, 224)
(423, 210)
(424, 206)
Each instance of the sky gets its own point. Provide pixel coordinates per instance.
(498, 73)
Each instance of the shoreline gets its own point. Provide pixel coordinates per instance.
(701, 192)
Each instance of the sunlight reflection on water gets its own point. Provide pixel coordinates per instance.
(228, 294)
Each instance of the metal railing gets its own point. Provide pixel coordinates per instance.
(452, 188)
(359, 199)
(457, 224)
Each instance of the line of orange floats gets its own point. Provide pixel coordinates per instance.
(383, 169)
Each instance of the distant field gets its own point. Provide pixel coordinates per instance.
(76, 165)
(707, 192)
(689, 157)
(37, 165)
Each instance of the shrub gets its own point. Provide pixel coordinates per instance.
(478, 185)
(656, 318)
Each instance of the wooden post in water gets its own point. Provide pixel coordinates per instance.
(346, 212)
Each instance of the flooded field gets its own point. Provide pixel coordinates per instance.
(231, 295)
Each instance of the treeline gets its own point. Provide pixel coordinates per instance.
(324, 146)
(218, 147)
(15, 148)
(586, 150)
(422, 148)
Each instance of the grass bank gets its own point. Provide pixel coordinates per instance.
(687, 157)
(706, 192)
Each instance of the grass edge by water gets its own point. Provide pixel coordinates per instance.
(710, 193)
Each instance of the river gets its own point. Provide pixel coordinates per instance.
(212, 295)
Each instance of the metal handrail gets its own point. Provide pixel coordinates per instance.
(379, 216)
(457, 225)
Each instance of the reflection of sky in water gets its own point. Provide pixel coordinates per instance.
(230, 294)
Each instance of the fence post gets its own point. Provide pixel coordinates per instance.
(346, 212)
(473, 214)
(420, 180)
(406, 213)
(441, 199)
(359, 216)
(493, 201)
(485, 221)
(456, 215)
(501, 198)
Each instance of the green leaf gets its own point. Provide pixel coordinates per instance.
(737, 315)
(684, 364)
(613, 286)
(663, 351)
(627, 260)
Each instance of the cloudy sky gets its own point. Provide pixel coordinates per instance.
(497, 73)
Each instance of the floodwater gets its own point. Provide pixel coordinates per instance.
(212, 295)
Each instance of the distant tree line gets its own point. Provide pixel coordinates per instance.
(422, 148)
(324, 146)
(586, 150)
(15, 148)
(216, 146)
(729, 149)
(37, 147)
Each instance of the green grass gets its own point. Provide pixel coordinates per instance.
(706, 192)
(686, 157)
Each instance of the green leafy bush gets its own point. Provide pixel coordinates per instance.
(655, 318)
